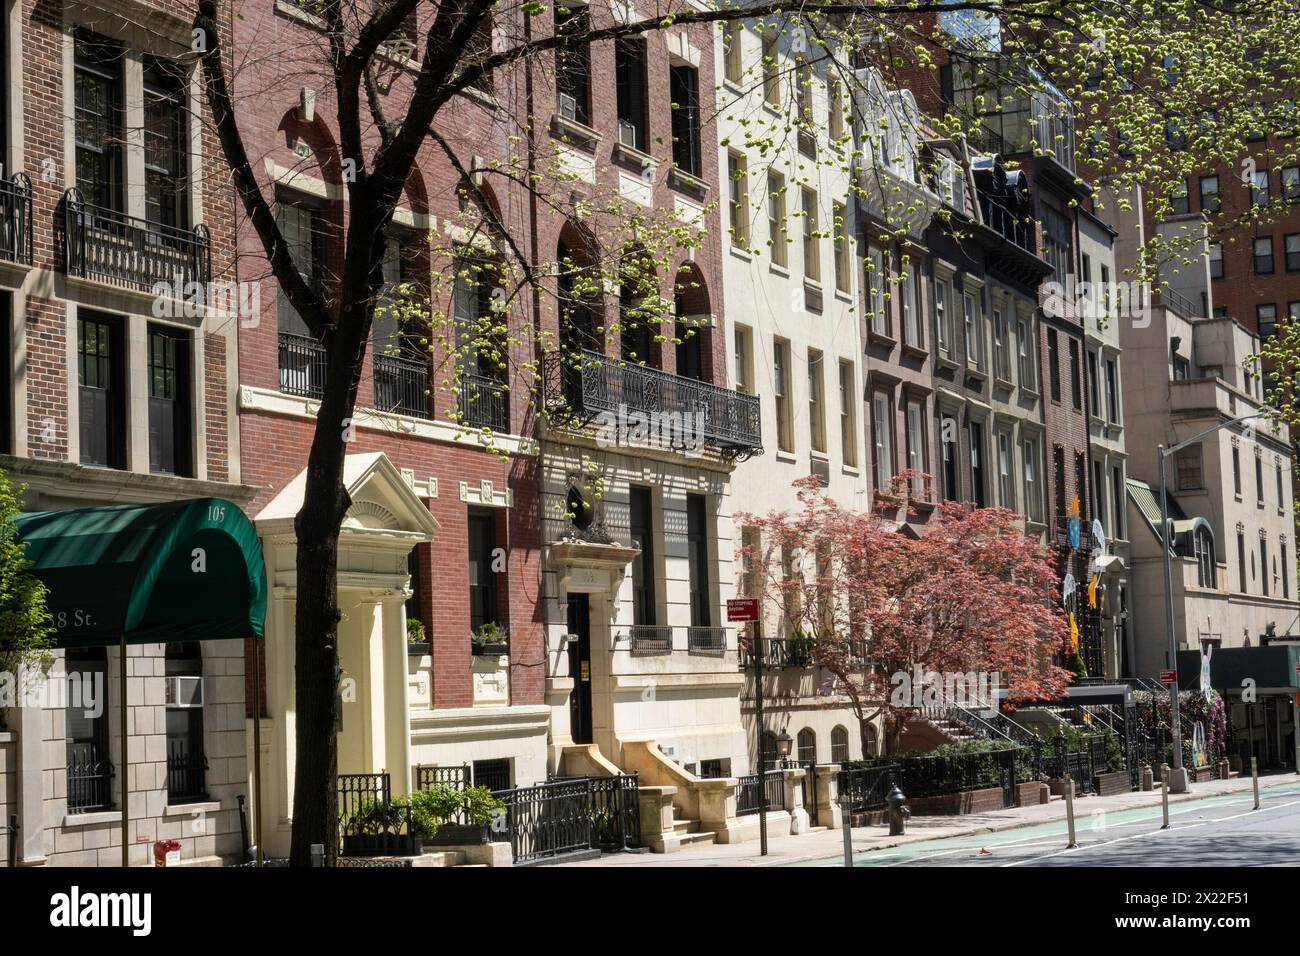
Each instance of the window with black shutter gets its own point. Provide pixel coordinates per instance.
(101, 391)
(684, 91)
(169, 402)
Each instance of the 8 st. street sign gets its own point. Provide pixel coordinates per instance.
(740, 610)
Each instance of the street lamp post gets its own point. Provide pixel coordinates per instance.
(1178, 773)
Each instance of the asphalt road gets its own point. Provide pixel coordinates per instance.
(1216, 831)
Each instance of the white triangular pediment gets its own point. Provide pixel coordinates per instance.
(382, 499)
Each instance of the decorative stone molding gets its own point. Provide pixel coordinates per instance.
(484, 494)
(425, 489)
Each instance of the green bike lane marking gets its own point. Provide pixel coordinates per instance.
(943, 846)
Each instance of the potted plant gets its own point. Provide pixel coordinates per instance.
(416, 641)
(456, 817)
(375, 828)
(489, 641)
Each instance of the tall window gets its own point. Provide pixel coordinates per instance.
(744, 372)
(302, 226)
(1054, 365)
(812, 261)
(573, 65)
(839, 745)
(776, 217)
(1058, 479)
(807, 746)
(943, 316)
(684, 89)
(1001, 345)
(1117, 527)
(1188, 468)
(908, 308)
(848, 415)
(1259, 188)
(1210, 194)
(977, 476)
(1263, 566)
(99, 112)
(1236, 471)
(6, 368)
(835, 110)
(816, 402)
(1098, 491)
(1058, 243)
(1027, 349)
(101, 374)
(630, 80)
(186, 763)
(733, 64)
(771, 72)
(1112, 391)
(165, 144)
(843, 248)
(738, 198)
(1281, 500)
(697, 552)
(882, 428)
(90, 771)
(974, 336)
(1094, 387)
(1076, 385)
(948, 447)
(781, 388)
(877, 301)
(1259, 479)
(1286, 574)
(1291, 251)
(916, 451)
(1033, 484)
(1006, 471)
(1241, 563)
(1291, 183)
(483, 606)
(169, 402)
(1262, 254)
(641, 529)
(1216, 260)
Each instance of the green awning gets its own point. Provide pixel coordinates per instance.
(186, 570)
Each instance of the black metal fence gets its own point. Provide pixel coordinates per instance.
(570, 815)
(458, 778)
(90, 779)
(865, 788)
(105, 244)
(16, 218)
(401, 385)
(751, 794)
(650, 639)
(302, 365)
(933, 775)
(186, 772)
(1080, 759)
(370, 823)
(706, 640)
(484, 402)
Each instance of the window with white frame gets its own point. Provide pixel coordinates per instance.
(877, 281)
(882, 429)
(916, 450)
(1027, 353)
(974, 330)
(908, 307)
(816, 402)
(848, 414)
(943, 315)
(1032, 460)
(1006, 470)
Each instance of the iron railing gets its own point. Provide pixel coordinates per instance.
(302, 366)
(113, 247)
(484, 402)
(571, 815)
(457, 778)
(779, 652)
(90, 779)
(16, 218)
(865, 788)
(402, 385)
(186, 772)
(369, 822)
(751, 793)
(650, 638)
(1017, 229)
(684, 412)
(706, 640)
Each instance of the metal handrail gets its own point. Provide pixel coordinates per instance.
(16, 218)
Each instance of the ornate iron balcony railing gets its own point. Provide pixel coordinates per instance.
(302, 365)
(650, 639)
(593, 385)
(484, 402)
(113, 247)
(706, 640)
(16, 219)
(401, 385)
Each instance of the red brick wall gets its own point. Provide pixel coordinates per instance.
(214, 407)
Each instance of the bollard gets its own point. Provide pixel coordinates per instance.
(1164, 795)
(1069, 812)
(846, 824)
(1254, 779)
(318, 854)
(1148, 779)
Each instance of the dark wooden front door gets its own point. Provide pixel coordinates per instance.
(580, 668)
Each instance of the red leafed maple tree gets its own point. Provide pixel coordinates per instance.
(972, 594)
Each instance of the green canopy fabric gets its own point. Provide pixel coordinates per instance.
(188, 570)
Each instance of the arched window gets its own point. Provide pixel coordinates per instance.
(186, 763)
(691, 308)
(1203, 545)
(807, 745)
(839, 745)
(872, 742)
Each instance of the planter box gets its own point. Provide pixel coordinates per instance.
(380, 844)
(460, 834)
(498, 649)
(950, 804)
(417, 648)
(1116, 781)
(1032, 793)
(1201, 774)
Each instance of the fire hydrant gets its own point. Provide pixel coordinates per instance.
(898, 812)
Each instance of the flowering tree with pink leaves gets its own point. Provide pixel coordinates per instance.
(974, 593)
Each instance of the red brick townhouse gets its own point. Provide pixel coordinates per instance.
(442, 478)
(116, 394)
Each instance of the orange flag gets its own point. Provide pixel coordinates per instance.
(1074, 635)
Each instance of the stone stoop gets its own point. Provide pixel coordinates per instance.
(689, 833)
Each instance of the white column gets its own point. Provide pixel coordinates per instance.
(396, 717)
(137, 393)
(28, 782)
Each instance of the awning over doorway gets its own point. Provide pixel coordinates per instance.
(187, 570)
(1268, 667)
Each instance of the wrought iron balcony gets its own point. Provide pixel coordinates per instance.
(779, 652)
(90, 778)
(484, 402)
(596, 385)
(113, 247)
(1018, 230)
(16, 219)
(401, 385)
(302, 365)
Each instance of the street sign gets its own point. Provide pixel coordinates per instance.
(1168, 677)
(740, 610)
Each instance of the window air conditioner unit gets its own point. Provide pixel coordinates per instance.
(185, 692)
(627, 134)
(568, 107)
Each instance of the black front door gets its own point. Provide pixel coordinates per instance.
(580, 668)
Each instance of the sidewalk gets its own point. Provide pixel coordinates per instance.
(788, 849)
